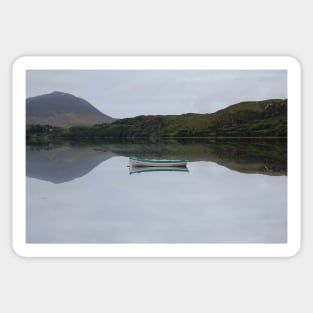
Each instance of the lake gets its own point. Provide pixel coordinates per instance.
(234, 191)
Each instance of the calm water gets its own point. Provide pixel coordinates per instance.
(233, 192)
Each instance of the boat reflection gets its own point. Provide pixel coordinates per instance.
(148, 169)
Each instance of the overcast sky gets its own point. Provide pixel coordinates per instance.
(126, 93)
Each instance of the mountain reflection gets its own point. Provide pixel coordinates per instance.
(64, 162)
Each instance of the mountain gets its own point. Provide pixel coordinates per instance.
(266, 118)
(63, 110)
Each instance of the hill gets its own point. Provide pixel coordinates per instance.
(246, 119)
(63, 110)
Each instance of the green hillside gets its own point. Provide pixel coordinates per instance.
(265, 118)
(246, 119)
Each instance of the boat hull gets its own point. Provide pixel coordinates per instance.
(135, 162)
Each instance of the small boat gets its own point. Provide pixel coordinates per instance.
(144, 169)
(156, 163)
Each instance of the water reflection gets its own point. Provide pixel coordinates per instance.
(210, 204)
(62, 163)
(143, 169)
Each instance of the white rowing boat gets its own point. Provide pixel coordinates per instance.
(156, 163)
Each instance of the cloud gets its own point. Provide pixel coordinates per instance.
(125, 93)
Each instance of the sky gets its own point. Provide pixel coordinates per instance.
(128, 93)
